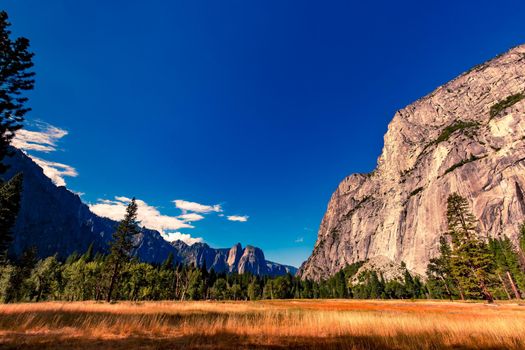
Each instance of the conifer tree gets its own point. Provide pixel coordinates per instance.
(9, 207)
(506, 259)
(121, 246)
(471, 261)
(521, 247)
(88, 255)
(15, 78)
(439, 270)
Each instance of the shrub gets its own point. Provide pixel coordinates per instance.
(506, 103)
(452, 128)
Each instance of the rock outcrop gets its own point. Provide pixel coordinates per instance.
(235, 259)
(467, 136)
(55, 221)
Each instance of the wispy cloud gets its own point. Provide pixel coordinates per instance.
(190, 217)
(148, 215)
(186, 206)
(55, 171)
(186, 238)
(239, 218)
(44, 139)
(299, 240)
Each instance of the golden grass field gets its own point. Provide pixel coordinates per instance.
(300, 324)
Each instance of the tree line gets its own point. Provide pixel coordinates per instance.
(468, 267)
(120, 276)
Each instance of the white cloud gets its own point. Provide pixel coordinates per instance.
(186, 206)
(186, 238)
(55, 171)
(43, 140)
(299, 240)
(189, 217)
(148, 215)
(239, 218)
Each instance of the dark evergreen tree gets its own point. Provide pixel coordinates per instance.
(439, 272)
(9, 207)
(471, 261)
(506, 259)
(121, 247)
(15, 78)
(89, 254)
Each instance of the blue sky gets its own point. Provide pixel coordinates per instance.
(254, 109)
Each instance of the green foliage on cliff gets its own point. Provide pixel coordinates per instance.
(456, 126)
(506, 103)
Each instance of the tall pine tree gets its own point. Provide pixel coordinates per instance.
(121, 247)
(439, 271)
(15, 78)
(471, 260)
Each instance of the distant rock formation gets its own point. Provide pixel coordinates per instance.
(467, 136)
(235, 259)
(55, 221)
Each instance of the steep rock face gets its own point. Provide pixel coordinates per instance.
(252, 260)
(467, 137)
(235, 259)
(55, 221)
(52, 218)
(234, 255)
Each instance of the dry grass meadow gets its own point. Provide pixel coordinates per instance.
(301, 324)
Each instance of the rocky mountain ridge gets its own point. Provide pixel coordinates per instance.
(55, 221)
(235, 259)
(468, 136)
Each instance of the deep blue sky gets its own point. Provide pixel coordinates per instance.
(260, 106)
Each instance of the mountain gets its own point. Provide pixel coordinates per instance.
(235, 259)
(468, 136)
(55, 221)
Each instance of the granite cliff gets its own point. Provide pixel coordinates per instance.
(468, 136)
(56, 221)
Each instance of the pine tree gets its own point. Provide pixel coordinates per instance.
(168, 263)
(9, 207)
(521, 246)
(121, 246)
(471, 261)
(15, 78)
(439, 271)
(88, 255)
(506, 258)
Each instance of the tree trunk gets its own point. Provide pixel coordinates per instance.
(504, 286)
(461, 295)
(486, 293)
(112, 283)
(513, 285)
(446, 287)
